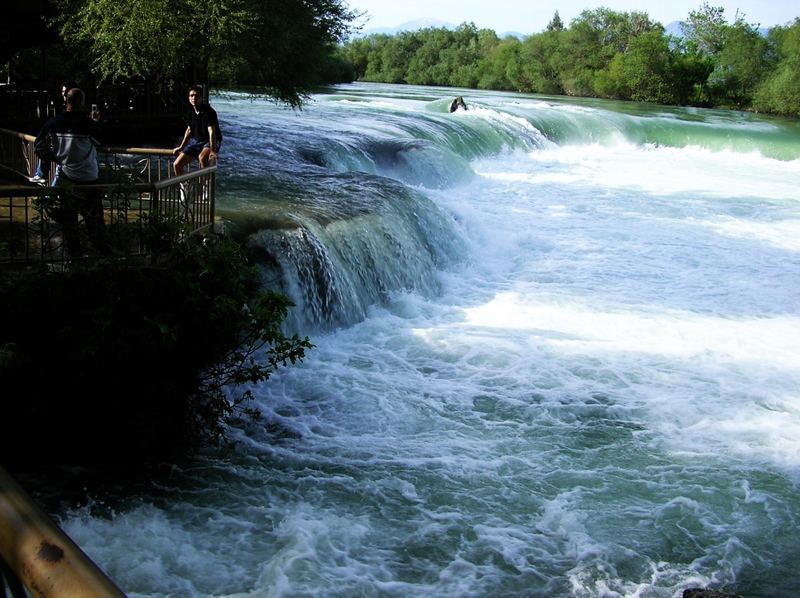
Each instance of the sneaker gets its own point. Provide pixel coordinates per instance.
(38, 180)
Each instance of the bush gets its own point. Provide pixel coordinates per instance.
(111, 365)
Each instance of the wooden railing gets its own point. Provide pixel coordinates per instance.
(37, 558)
(138, 186)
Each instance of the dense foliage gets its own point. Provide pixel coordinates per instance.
(112, 365)
(603, 53)
(281, 46)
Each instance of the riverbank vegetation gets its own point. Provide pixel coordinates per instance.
(105, 364)
(604, 54)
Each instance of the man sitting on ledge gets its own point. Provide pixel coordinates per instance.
(202, 137)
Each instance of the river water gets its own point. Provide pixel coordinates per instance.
(557, 354)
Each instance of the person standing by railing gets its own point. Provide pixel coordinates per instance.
(202, 137)
(43, 167)
(69, 140)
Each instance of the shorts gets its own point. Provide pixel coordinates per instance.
(194, 147)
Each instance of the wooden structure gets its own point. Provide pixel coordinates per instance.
(36, 556)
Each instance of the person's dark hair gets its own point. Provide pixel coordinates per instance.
(75, 98)
(67, 85)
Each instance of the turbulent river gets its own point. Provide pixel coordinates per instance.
(557, 354)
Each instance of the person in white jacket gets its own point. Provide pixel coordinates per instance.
(69, 140)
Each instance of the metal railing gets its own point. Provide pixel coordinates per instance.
(138, 187)
(32, 231)
(37, 558)
(18, 159)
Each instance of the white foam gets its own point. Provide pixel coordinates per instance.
(692, 171)
(783, 234)
(578, 328)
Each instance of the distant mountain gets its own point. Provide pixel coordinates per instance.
(674, 29)
(414, 25)
(517, 34)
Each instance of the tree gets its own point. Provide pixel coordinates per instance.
(581, 57)
(358, 53)
(555, 24)
(644, 73)
(738, 53)
(396, 55)
(427, 65)
(137, 362)
(376, 45)
(591, 43)
(462, 58)
(615, 30)
(540, 69)
(495, 70)
(690, 73)
(703, 31)
(740, 64)
(603, 52)
(780, 90)
(279, 45)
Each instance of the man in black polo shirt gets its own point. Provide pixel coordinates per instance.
(202, 137)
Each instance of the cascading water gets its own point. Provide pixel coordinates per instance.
(556, 355)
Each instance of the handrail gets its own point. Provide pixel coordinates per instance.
(45, 559)
(182, 178)
(103, 148)
(24, 136)
(146, 151)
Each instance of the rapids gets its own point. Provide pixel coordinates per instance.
(557, 354)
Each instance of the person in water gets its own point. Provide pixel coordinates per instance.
(457, 103)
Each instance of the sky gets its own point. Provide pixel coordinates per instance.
(530, 16)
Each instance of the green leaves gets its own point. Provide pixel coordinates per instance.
(279, 45)
(140, 38)
(780, 90)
